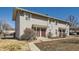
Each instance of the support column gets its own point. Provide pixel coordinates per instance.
(36, 31)
(40, 32)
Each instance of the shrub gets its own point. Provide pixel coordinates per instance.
(29, 34)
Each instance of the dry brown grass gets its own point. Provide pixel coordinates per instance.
(13, 45)
(60, 45)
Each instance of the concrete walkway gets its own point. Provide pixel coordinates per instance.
(49, 39)
(33, 47)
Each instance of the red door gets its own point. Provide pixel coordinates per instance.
(43, 32)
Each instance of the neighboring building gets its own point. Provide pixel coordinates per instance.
(42, 24)
(74, 31)
(6, 30)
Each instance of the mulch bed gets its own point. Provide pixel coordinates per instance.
(59, 45)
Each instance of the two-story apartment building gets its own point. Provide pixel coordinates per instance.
(42, 24)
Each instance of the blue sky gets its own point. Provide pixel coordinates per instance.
(58, 12)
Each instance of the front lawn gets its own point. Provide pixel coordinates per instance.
(13, 45)
(59, 45)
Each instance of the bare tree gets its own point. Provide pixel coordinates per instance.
(4, 26)
(74, 24)
(73, 21)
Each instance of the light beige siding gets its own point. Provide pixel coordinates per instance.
(22, 22)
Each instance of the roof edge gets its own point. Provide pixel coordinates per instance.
(17, 8)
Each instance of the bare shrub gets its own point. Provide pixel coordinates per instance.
(29, 34)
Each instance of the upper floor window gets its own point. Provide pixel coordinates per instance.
(27, 17)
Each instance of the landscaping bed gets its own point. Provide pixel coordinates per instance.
(59, 45)
(13, 45)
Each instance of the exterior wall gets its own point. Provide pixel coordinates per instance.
(34, 19)
(55, 27)
(22, 23)
(67, 30)
(39, 20)
(64, 26)
(17, 27)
